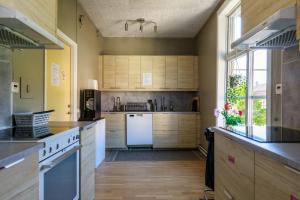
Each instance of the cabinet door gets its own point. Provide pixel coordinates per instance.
(171, 72)
(187, 139)
(115, 134)
(274, 180)
(134, 72)
(146, 72)
(122, 64)
(186, 72)
(255, 12)
(165, 122)
(196, 73)
(164, 139)
(109, 72)
(87, 162)
(187, 129)
(21, 181)
(234, 170)
(159, 72)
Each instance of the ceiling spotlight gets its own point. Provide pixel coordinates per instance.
(142, 22)
(141, 27)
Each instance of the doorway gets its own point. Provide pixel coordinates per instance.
(61, 80)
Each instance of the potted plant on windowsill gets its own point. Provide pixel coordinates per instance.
(231, 116)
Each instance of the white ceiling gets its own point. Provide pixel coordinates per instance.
(175, 18)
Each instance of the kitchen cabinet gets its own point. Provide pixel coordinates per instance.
(21, 181)
(255, 12)
(146, 72)
(171, 72)
(109, 72)
(42, 12)
(122, 64)
(134, 72)
(149, 73)
(115, 130)
(186, 72)
(175, 130)
(274, 180)
(87, 162)
(234, 170)
(159, 72)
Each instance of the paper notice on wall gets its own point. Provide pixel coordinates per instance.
(55, 74)
(147, 79)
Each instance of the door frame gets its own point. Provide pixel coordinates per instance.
(73, 45)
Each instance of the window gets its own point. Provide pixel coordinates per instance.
(246, 79)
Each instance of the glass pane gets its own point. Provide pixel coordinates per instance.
(259, 83)
(260, 59)
(234, 26)
(258, 111)
(237, 89)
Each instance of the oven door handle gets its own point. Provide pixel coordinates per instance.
(61, 158)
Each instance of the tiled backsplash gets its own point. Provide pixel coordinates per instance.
(182, 101)
(5, 81)
(291, 88)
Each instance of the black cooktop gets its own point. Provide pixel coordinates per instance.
(268, 134)
(34, 133)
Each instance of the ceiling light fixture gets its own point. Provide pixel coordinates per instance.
(142, 22)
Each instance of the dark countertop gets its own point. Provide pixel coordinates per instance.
(286, 153)
(73, 124)
(13, 151)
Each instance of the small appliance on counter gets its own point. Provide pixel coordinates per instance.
(136, 106)
(90, 105)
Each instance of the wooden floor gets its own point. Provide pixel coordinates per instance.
(165, 180)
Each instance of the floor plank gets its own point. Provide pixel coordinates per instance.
(146, 180)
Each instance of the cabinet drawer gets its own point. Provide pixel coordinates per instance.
(165, 122)
(20, 182)
(187, 122)
(187, 139)
(274, 180)
(115, 139)
(164, 139)
(115, 121)
(234, 168)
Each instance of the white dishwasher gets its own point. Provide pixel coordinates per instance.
(139, 129)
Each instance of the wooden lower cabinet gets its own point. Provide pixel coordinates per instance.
(274, 180)
(175, 130)
(115, 136)
(87, 163)
(21, 181)
(234, 170)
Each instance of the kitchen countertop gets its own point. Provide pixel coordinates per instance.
(148, 112)
(13, 151)
(73, 124)
(287, 153)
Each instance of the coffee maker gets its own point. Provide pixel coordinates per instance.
(90, 105)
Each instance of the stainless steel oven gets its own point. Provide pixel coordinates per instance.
(59, 175)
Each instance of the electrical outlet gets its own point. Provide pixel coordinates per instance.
(15, 87)
(278, 88)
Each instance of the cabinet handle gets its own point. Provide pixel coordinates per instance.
(227, 194)
(14, 163)
(292, 169)
(231, 159)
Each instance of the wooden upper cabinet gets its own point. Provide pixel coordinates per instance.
(42, 12)
(186, 72)
(134, 72)
(109, 72)
(122, 67)
(196, 73)
(255, 12)
(146, 72)
(159, 72)
(171, 72)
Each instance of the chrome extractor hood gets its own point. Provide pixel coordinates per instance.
(17, 31)
(276, 32)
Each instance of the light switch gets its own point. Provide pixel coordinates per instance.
(15, 87)
(278, 88)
